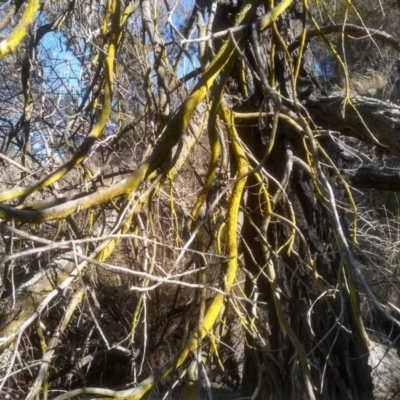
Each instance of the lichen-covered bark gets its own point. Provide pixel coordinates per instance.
(349, 375)
(21, 30)
(296, 314)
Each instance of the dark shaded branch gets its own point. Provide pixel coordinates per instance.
(376, 177)
(186, 78)
(355, 30)
(379, 122)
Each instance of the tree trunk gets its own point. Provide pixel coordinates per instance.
(307, 335)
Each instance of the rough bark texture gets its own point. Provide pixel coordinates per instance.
(376, 177)
(338, 356)
(347, 374)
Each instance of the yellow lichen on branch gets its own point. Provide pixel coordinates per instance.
(95, 133)
(274, 14)
(19, 33)
(178, 124)
(231, 266)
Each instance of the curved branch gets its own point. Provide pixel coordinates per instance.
(11, 43)
(261, 24)
(80, 155)
(380, 120)
(350, 29)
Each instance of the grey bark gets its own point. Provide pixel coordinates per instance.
(370, 120)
